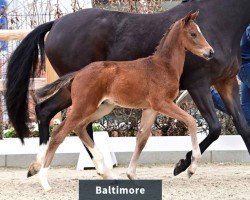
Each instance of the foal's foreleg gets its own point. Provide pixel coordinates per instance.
(204, 102)
(98, 158)
(172, 110)
(147, 120)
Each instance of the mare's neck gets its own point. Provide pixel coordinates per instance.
(232, 23)
(171, 51)
(223, 21)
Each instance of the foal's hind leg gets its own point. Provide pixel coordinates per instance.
(98, 159)
(172, 110)
(147, 120)
(55, 140)
(73, 120)
(45, 111)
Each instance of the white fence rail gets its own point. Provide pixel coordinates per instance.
(159, 150)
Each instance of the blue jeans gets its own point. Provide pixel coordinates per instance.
(244, 76)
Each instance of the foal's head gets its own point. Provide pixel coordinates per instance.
(192, 38)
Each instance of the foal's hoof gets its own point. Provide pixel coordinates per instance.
(131, 176)
(47, 189)
(109, 175)
(190, 173)
(34, 168)
(179, 167)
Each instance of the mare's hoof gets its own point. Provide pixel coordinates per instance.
(179, 167)
(34, 168)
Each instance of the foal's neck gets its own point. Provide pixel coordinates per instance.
(171, 50)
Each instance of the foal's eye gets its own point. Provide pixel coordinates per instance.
(194, 35)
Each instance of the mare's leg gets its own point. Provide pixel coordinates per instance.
(147, 120)
(77, 116)
(98, 160)
(229, 92)
(202, 97)
(45, 111)
(172, 110)
(48, 108)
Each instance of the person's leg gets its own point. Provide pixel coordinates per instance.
(218, 103)
(244, 76)
(245, 101)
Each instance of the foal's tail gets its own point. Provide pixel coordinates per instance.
(52, 88)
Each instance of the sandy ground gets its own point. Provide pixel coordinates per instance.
(212, 181)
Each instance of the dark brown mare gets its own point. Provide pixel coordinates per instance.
(80, 38)
(150, 83)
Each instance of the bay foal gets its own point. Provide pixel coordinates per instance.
(150, 84)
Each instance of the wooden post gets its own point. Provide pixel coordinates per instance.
(51, 76)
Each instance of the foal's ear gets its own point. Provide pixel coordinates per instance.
(195, 15)
(190, 16)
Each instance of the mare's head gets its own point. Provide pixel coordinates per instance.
(192, 38)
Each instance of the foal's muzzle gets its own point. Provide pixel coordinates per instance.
(209, 54)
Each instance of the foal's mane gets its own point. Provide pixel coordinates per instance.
(184, 1)
(160, 45)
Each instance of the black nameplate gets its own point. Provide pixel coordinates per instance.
(120, 190)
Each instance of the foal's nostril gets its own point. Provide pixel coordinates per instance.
(211, 53)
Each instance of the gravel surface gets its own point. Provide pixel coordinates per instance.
(211, 181)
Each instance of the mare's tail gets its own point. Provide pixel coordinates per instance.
(22, 66)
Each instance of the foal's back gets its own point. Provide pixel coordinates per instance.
(127, 83)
